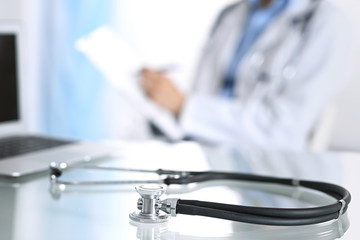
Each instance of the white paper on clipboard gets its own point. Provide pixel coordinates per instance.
(120, 66)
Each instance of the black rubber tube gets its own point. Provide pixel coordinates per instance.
(263, 215)
(249, 218)
(262, 211)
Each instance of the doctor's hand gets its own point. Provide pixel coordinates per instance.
(161, 90)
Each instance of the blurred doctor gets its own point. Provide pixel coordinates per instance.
(268, 70)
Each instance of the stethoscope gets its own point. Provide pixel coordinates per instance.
(259, 60)
(151, 209)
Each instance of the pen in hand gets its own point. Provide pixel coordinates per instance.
(159, 88)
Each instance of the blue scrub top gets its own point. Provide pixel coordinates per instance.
(259, 18)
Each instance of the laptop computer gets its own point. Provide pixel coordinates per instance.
(21, 153)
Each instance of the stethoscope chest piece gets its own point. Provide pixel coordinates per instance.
(149, 205)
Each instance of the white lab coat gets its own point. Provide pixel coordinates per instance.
(304, 72)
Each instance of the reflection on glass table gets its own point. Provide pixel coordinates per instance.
(34, 209)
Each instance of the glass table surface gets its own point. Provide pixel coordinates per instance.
(33, 208)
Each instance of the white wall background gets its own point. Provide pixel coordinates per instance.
(181, 45)
(346, 134)
(10, 9)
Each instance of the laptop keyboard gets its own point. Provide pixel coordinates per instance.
(13, 146)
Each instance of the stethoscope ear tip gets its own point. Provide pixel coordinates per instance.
(55, 169)
(56, 172)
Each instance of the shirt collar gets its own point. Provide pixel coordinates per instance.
(255, 3)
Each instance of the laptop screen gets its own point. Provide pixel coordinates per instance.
(9, 101)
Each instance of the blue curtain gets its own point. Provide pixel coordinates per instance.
(74, 92)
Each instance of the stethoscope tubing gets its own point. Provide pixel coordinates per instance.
(249, 214)
(188, 208)
(263, 215)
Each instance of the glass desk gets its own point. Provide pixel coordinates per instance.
(31, 208)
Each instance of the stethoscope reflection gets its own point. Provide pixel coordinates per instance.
(326, 231)
(151, 231)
